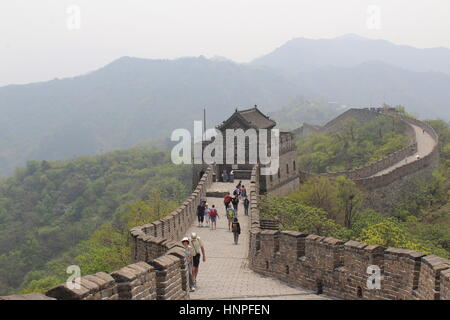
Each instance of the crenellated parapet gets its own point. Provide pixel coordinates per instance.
(344, 269)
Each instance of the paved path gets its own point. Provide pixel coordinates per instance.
(225, 274)
(425, 144)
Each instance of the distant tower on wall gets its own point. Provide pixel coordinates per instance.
(253, 118)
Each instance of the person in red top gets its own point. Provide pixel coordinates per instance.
(213, 215)
(227, 200)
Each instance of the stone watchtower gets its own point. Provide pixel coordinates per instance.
(254, 119)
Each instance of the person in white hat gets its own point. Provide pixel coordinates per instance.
(188, 254)
(207, 211)
(199, 250)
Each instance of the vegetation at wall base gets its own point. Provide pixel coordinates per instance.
(419, 221)
(354, 146)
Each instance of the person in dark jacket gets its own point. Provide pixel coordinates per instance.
(236, 229)
(201, 213)
(235, 202)
(246, 205)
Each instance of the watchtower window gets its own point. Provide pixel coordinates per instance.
(293, 163)
(287, 168)
(359, 292)
(319, 287)
(279, 175)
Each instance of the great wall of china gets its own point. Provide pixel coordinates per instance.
(337, 268)
(369, 177)
(323, 265)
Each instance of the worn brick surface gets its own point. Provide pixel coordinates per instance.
(226, 274)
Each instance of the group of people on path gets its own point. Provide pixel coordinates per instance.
(194, 248)
(207, 215)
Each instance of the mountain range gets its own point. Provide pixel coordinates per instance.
(132, 100)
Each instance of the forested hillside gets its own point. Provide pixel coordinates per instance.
(55, 214)
(301, 110)
(131, 99)
(128, 101)
(355, 145)
(419, 221)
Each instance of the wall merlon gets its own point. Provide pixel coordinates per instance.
(333, 241)
(410, 254)
(101, 279)
(352, 244)
(294, 234)
(62, 292)
(435, 262)
(123, 275)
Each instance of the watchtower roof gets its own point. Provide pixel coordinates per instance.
(253, 118)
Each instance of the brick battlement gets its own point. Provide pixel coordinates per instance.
(337, 268)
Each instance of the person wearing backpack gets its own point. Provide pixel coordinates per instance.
(227, 200)
(231, 214)
(213, 216)
(246, 205)
(236, 229)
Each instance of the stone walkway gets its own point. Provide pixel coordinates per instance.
(425, 145)
(225, 274)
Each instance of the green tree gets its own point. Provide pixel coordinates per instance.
(319, 192)
(349, 199)
(389, 233)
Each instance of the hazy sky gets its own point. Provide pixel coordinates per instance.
(40, 39)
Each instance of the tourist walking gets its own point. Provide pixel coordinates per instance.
(198, 251)
(246, 205)
(227, 200)
(231, 214)
(237, 191)
(188, 252)
(213, 216)
(236, 229)
(243, 192)
(235, 202)
(201, 213)
(207, 210)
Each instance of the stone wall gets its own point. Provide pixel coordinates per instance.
(377, 166)
(361, 115)
(430, 160)
(337, 268)
(364, 177)
(159, 270)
